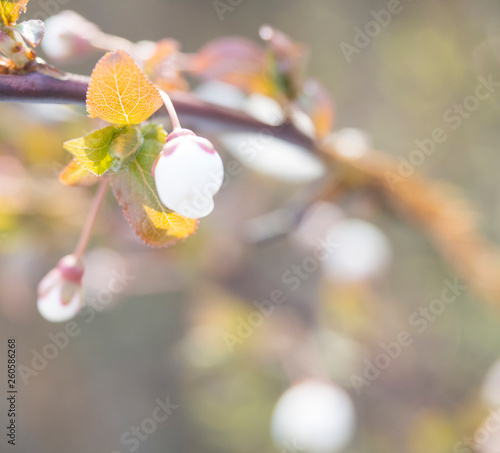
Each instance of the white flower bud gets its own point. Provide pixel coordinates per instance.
(313, 416)
(60, 291)
(188, 173)
(68, 35)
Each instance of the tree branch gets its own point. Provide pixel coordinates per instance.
(36, 87)
(445, 218)
(41, 88)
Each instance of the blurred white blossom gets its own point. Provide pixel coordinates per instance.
(351, 142)
(315, 416)
(363, 252)
(271, 156)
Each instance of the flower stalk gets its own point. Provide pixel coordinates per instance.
(170, 109)
(91, 218)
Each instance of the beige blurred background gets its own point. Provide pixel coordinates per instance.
(163, 335)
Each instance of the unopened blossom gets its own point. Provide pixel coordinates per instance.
(188, 173)
(60, 291)
(68, 35)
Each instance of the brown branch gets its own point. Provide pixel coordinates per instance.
(446, 219)
(36, 87)
(439, 210)
(41, 88)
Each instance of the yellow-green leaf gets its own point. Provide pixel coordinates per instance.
(91, 151)
(109, 148)
(11, 9)
(135, 190)
(119, 92)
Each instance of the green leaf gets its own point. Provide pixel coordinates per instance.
(91, 151)
(11, 9)
(124, 147)
(135, 190)
(109, 148)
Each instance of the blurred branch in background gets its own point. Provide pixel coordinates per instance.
(443, 215)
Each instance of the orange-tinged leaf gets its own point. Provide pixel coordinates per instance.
(323, 120)
(317, 103)
(119, 92)
(11, 9)
(74, 175)
(163, 68)
(135, 190)
(234, 60)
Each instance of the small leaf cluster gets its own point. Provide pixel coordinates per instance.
(125, 151)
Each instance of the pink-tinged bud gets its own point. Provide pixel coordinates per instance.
(68, 35)
(60, 291)
(188, 173)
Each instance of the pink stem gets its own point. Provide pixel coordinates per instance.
(91, 217)
(171, 110)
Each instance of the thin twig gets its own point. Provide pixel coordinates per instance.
(91, 218)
